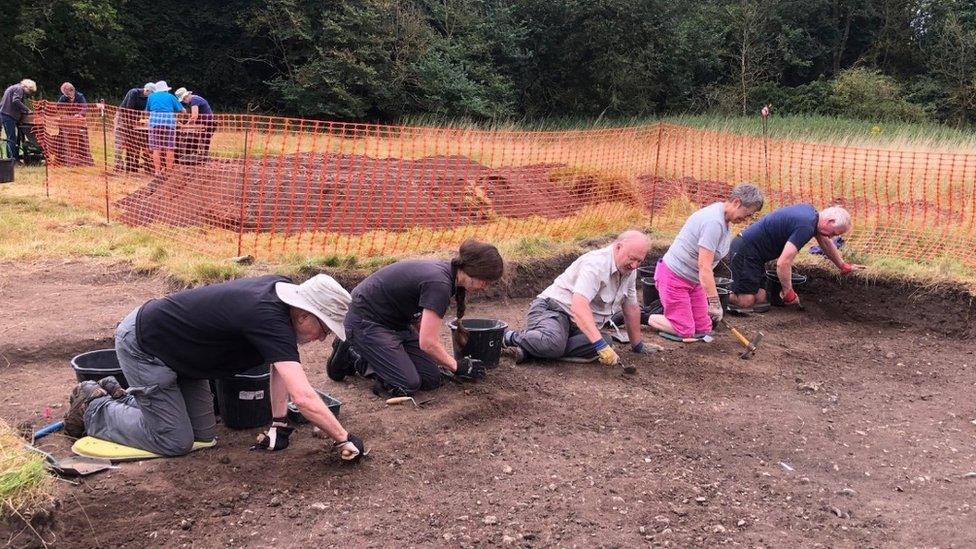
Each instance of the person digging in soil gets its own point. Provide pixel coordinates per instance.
(564, 320)
(779, 236)
(382, 341)
(169, 348)
(685, 277)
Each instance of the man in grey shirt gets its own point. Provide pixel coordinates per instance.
(12, 108)
(564, 320)
(684, 276)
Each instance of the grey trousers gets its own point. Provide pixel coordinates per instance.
(394, 356)
(551, 333)
(161, 412)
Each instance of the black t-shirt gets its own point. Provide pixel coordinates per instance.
(394, 295)
(219, 330)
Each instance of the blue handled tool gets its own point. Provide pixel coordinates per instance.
(48, 429)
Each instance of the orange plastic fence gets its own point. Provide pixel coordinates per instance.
(271, 187)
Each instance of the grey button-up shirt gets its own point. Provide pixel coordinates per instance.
(595, 276)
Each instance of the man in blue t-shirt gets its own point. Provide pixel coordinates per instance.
(779, 236)
(162, 107)
(201, 120)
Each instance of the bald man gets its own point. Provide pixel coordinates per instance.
(564, 321)
(779, 236)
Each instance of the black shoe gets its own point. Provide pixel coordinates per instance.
(385, 390)
(81, 396)
(340, 364)
(112, 387)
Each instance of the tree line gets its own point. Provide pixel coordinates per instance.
(384, 60)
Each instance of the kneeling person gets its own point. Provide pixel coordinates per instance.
(684, 276)
(383, 342)
(779, 236)
(564, 320)
(169, 348)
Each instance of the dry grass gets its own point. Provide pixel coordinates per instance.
(911, 208)
(25, 484)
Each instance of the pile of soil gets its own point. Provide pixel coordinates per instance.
(353, 194)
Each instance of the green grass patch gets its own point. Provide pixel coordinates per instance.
(839, 131)
(25, 484)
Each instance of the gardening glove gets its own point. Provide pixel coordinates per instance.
(638, 348)
(848, 268)
(790, 299)
(277, 436)
(608, 356)
(470, 368)
(352, 449)
(715, 311)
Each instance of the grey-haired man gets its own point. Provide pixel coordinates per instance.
(169, 348)
(126, 119)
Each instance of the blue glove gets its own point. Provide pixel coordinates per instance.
(638, 348)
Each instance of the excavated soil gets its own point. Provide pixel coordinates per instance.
(852, 426)
(354, 194)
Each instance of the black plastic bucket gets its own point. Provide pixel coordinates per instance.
(773, 287)
(648, 291)
(6, 167)
(295, 415)
(484, 340)
(245, 399)
(94, 365)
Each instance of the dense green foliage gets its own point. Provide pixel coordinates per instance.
(507, 59)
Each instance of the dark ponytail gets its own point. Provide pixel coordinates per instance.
(477, 260)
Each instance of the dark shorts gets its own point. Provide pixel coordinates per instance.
(748, 269)
(162, 138)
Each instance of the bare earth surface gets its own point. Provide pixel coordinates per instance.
(847, 429)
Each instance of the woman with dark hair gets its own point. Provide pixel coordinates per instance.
(381, 339)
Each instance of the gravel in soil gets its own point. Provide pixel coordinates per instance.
(852, 425)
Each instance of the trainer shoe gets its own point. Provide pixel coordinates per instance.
(81, 396)
(516, 353)
(340, 364)
(112, 387)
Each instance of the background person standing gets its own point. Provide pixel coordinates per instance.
(12, 109)
(162, 107)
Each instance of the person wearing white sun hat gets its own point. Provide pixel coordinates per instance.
(169, 348)
(162, 107)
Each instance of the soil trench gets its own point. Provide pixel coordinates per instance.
(853, 425)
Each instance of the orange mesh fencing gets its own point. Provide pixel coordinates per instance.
(276, 187)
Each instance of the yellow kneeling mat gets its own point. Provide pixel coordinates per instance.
(96, 447)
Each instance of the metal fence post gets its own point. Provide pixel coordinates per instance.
(240, 232)
(657, 160)
(101, 108)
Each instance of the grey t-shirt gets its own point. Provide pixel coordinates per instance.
(705, 228)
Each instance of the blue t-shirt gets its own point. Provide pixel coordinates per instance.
(161, 107)
(80, 102)
(206, 113)
(768, 236)
(201, 104)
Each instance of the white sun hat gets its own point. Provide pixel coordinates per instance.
(162, 86)
(320, 295)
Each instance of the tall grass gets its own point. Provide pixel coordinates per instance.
(840, 131)
(25, 484)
